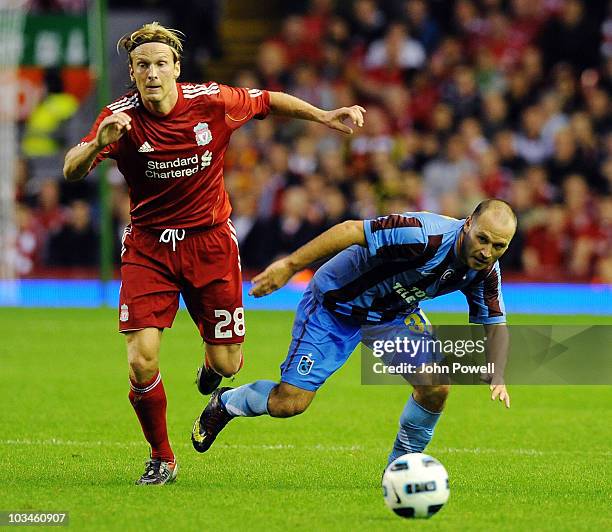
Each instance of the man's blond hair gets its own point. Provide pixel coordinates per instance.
(153, 32)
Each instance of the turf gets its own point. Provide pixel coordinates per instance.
(69, 441)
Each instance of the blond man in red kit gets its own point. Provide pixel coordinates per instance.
(169, 140)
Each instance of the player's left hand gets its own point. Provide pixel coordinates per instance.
(335, 119)
(271, 279)
(498, 391)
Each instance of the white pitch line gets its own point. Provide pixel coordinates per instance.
(279, 447)
(124, 445)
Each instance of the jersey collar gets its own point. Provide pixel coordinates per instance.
(178, 106)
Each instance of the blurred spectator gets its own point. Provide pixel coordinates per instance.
(554, 118)
(396, 100)
(251, 231)
(364, 200)
(29, 241)
(547, 245)
(471, 131)
(505, 42)
(577, 199)
(280, 177)
(488, 75)
(335, 207)
(272, 66)
(462, 93)
(421, 25)
(396, 48)
(442, 175)
(315, 20)
(572, 37)
(442, 121)
(532, 64)
(494, 179)
(600, 111)
(494, 114)
(76, 244)
(603, 243)
(468, 22)
(291, 228)
(530, 142)
(521, 198)
(374, 136)
(566, 159)
(338, 35)
(303, 157)
(606, 171)
(518, 96)
(539, 183)
(298, 44)
(49, 214)
(606, 31)
(200, 21)
(308, 86)
(603, 270)
(367, 22)
(566, 86)
(469, 194)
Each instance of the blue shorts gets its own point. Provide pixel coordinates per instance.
(323, 341)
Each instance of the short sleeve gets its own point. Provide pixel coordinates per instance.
(243, 104)
(485, 300)
(107, 152)
(395, 236)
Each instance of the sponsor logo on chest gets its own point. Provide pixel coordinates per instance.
(179, 167)
(410, 295)
(184, 166)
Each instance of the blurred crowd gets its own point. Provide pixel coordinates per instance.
(465, 100)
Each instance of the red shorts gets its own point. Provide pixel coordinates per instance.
(202, 265)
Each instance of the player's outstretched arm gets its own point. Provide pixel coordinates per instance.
(498, 343)
(79, 159)
(287, 105)
(332, 241)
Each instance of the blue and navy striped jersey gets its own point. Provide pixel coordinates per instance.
(409, 257)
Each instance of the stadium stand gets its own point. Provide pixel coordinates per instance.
(465, 99)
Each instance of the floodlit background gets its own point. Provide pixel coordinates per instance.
(465, 99)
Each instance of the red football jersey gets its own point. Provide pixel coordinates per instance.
(173, 164)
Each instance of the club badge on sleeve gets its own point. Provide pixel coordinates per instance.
(305, 365)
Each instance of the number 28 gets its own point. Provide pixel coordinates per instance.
(226, 319)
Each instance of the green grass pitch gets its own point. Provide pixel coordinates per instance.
(69, 440)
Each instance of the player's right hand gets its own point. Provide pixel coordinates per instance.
(112, 128)
(271, 279)
(498, 391)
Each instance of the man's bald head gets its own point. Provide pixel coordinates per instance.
(495, 209)
(487, 233)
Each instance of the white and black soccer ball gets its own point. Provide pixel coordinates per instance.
(415, 485)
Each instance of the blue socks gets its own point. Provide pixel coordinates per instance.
(416, 429)
(249, 400)
(416, 423)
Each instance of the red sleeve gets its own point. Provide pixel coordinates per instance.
(109, 151)
(243, 104)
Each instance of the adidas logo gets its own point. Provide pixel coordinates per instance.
(146, 148)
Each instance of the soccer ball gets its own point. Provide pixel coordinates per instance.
(415, 485)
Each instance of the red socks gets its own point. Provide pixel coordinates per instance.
(149, 402)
